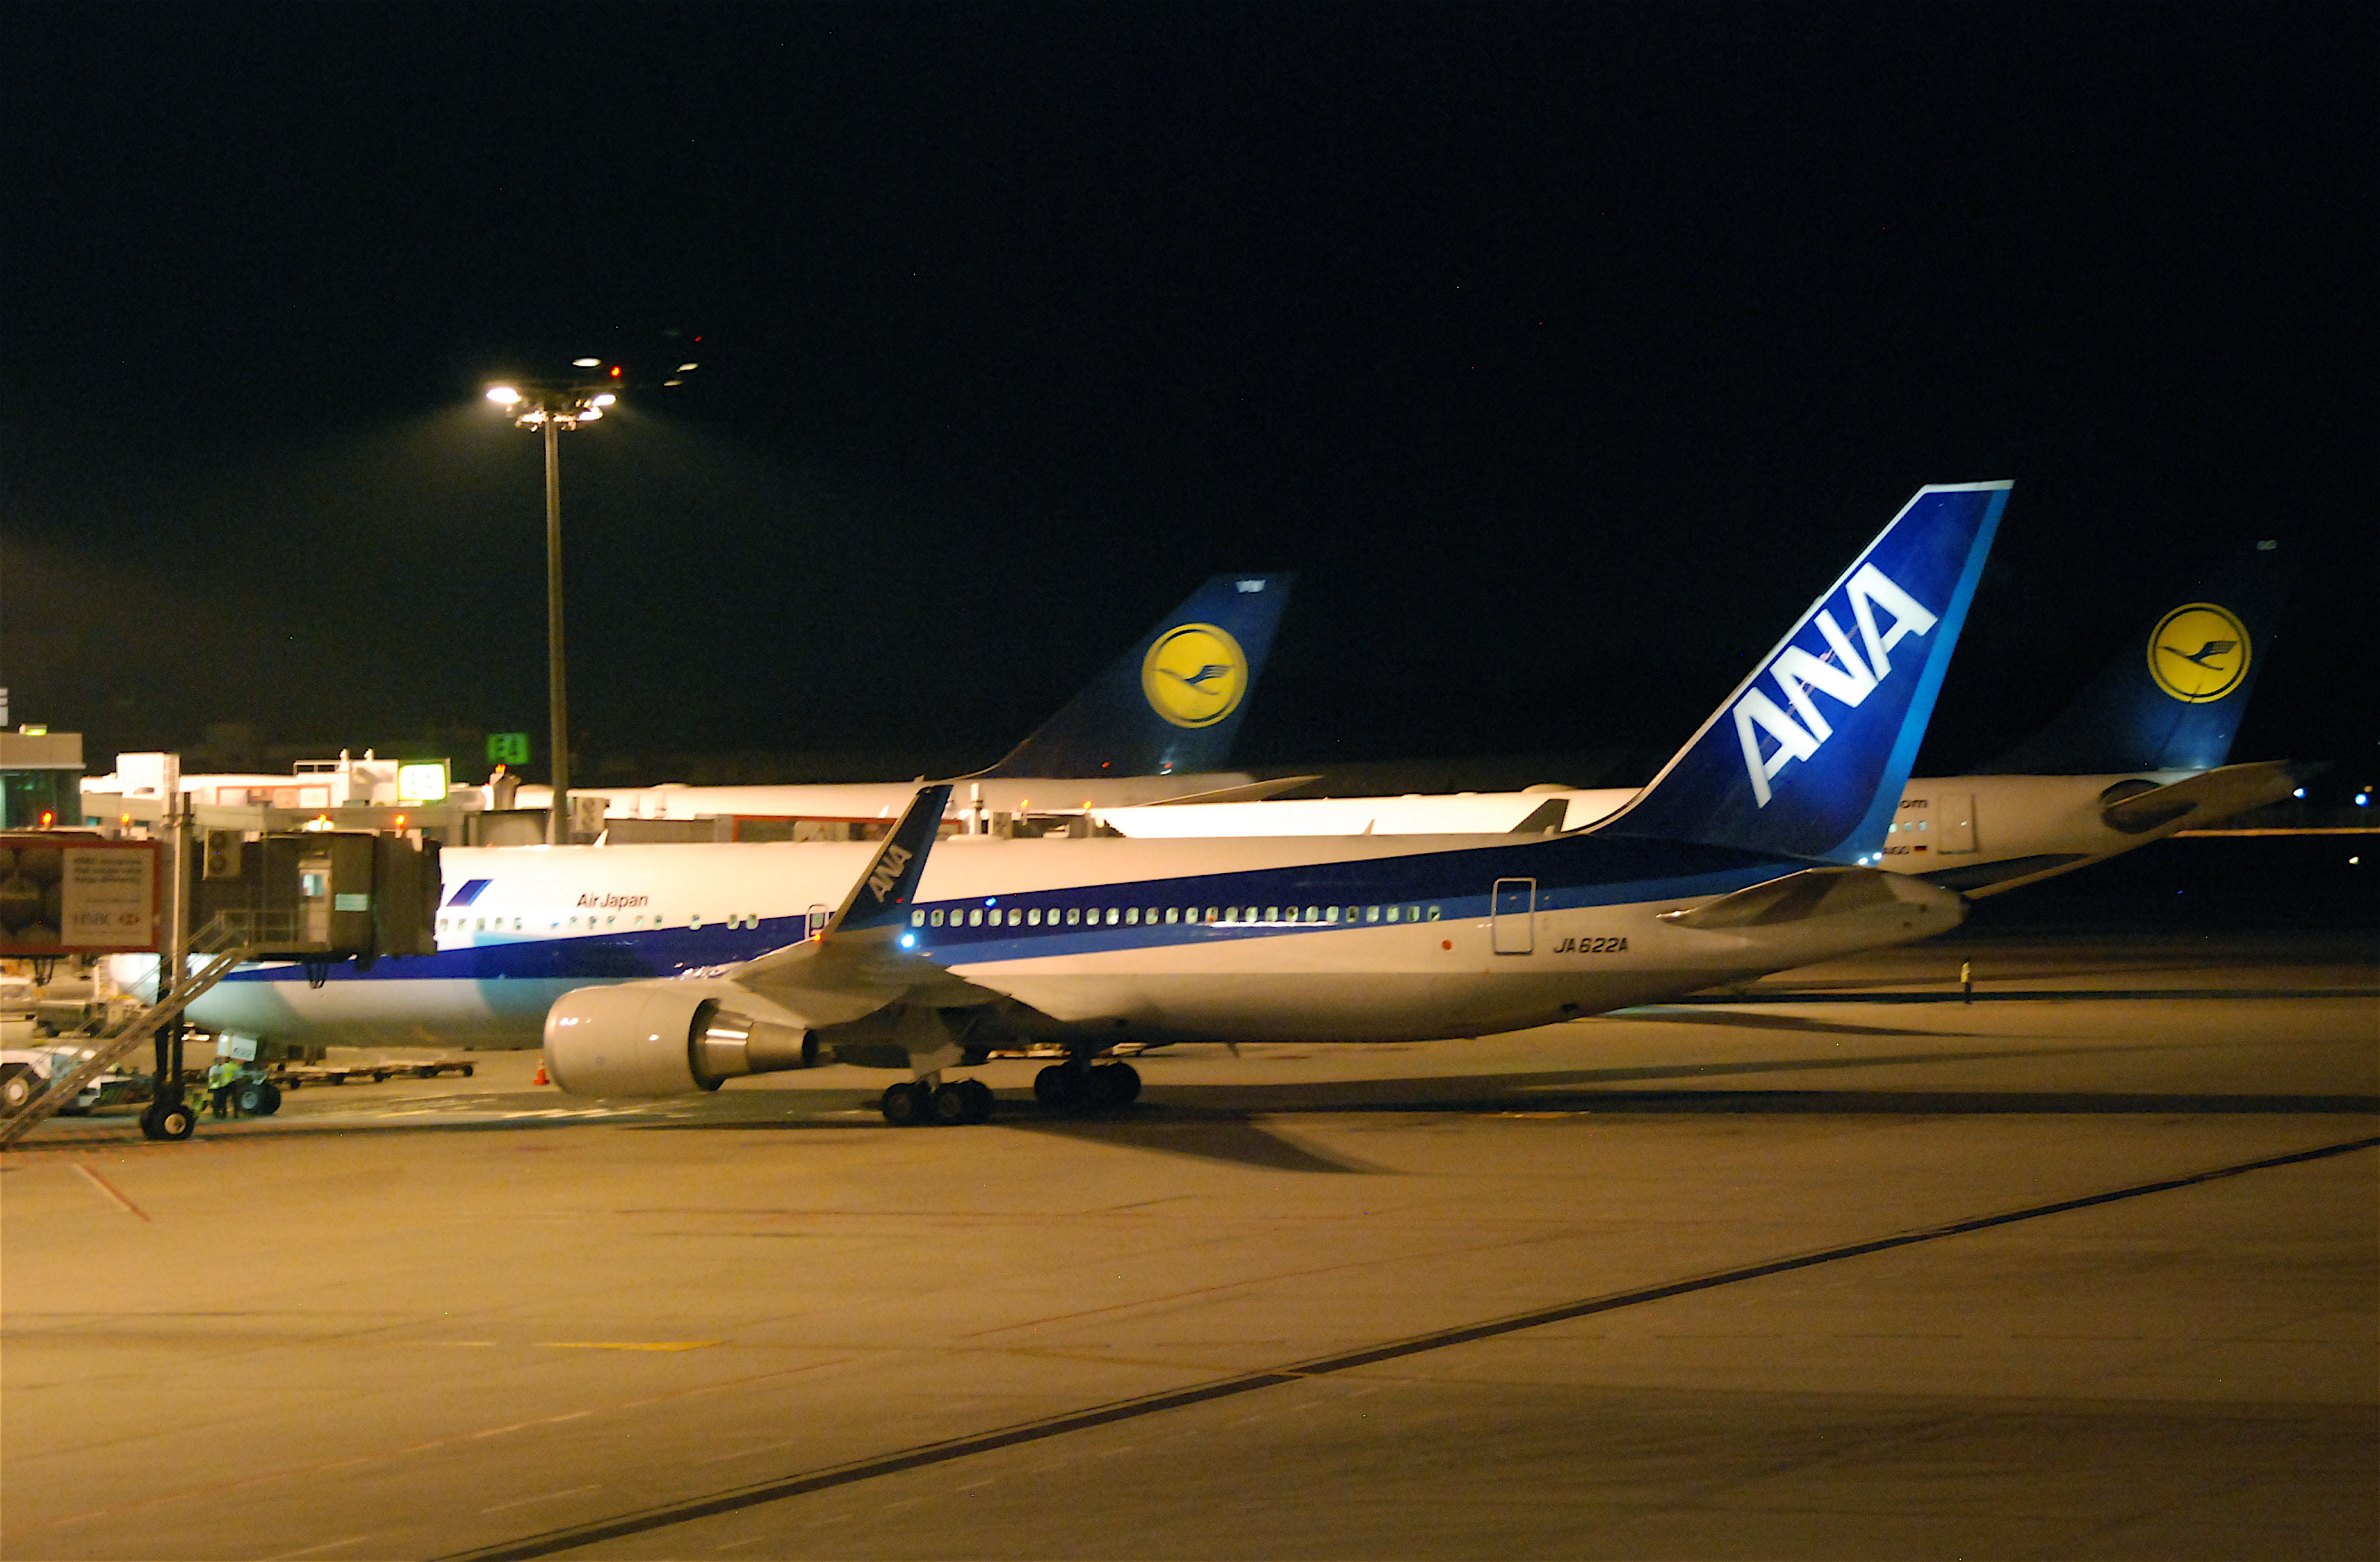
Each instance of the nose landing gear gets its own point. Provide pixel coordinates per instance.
(168, 1119)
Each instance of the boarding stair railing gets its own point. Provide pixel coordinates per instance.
(230, 939)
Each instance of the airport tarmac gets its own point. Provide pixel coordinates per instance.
(2087, 1267)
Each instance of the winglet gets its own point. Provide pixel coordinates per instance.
(883, 893)
(1172, 703)
(1808, 756)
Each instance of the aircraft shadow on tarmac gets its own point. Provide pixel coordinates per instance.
(1223, 1122)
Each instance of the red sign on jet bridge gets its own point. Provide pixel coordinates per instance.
(77, 894)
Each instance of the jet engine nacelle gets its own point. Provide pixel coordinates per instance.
(663, 1038)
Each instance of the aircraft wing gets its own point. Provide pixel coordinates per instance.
(2206, 798)
(861, 961)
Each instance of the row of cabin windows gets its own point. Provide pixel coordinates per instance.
(500, 924)
(1133, 916)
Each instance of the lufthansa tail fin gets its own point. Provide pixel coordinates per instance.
(2174, 697)
(1808, 756)
(1172, 703)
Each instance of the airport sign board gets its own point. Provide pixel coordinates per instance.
(422, 781)
(78, 895)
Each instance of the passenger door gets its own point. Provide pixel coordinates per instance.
(1514, 929)
(1954, 823)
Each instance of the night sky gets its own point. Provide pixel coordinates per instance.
(1568, 351)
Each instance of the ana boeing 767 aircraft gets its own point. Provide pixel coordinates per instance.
(675, 967)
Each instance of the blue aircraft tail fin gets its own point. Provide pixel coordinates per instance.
(1808, 756)
(1172, 704)
(2172, 699)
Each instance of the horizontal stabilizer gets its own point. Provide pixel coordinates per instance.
(1978, 878)
(1813, 892)
(2206, 798)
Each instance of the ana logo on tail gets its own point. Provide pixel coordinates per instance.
(2199, 653)
(1195, 675)
(1843, 674)
(888, 870)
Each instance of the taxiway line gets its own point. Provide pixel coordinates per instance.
(572, 1537)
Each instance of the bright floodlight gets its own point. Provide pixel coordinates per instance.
(590, 414)
(684, 367)
(604, 401)
(503, 395)
(585, 362)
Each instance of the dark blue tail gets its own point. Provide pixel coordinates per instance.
(1172, 703)
(2173, 697)
(1808, 756)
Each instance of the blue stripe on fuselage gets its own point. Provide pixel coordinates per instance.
(1571, 872)
(613, 957)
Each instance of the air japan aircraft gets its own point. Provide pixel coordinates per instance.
(2140, 755)
(1158, 724)
(675, 967)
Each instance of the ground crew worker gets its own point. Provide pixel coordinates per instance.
(220, 1078)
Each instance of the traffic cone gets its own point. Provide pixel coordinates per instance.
(540, 1078)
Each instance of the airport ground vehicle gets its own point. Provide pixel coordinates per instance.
(26, 1073)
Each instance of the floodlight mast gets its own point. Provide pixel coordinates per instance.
(550, 409)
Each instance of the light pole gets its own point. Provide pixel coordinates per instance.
(549, 409)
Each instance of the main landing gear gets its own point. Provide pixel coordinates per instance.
(920, 1102)
(1078, 1086)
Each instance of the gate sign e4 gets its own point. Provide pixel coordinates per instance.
(78, 895)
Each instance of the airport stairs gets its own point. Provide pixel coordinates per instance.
(229, 940)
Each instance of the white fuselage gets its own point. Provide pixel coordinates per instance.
(1204, 945)
(863, 800)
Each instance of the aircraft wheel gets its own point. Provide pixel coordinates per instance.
(164, 1121)
(905, 1106)
(978, 1099)
(1059, 1087)
(1118, 1085)
(268, 1100)
(951, 1104)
